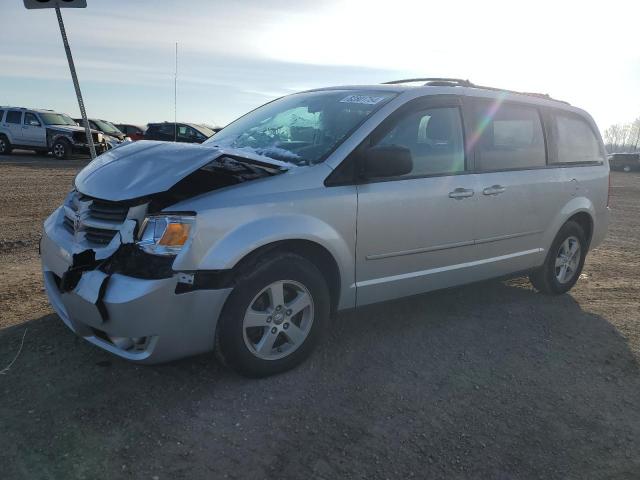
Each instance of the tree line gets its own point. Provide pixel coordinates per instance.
(623, 137)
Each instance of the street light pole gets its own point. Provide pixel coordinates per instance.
(74, 77)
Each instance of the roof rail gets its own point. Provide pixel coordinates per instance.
(440, 81)
(545, 96)
(457, 82)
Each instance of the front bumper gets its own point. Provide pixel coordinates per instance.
(83, 148)
(140, 320)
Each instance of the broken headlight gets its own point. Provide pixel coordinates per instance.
(165, 234)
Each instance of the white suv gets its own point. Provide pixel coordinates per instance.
(317, 202)
(44, 131)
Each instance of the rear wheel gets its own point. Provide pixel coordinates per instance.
(564, 261)
(5, 145)
(61, 149)
(274, 316)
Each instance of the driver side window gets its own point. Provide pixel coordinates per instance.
(434, 138)
(31, 120)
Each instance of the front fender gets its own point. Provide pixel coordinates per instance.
(53, 135)
(228, 250)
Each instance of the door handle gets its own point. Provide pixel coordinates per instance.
(460, 193)
(494, 190)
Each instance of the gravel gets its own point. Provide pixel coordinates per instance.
(490, 380)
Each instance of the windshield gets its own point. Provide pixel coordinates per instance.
(303, 128)
(106, 127)
(56, 119)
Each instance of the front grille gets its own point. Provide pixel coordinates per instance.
(100, 236)
(111, 211)
(67, 223)
(92, 220)
(81, 137)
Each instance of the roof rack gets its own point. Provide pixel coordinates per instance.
(434, 81)
(457, 82)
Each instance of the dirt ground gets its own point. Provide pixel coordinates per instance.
(488, 381)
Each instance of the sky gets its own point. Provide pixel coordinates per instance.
(236, 55)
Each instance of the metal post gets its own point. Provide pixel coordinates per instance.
(74, 77)
(175, 99)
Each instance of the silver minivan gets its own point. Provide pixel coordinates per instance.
(317, 202)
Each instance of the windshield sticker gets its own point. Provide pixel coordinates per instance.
(363, 99)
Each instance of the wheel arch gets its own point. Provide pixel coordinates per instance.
(585, 220)
(53, 137)
(578, 209)
(310, 250)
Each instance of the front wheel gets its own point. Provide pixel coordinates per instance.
(61, 149)
(564, 262)
(274, 316)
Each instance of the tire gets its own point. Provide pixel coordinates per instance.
(61, 149)
(255, 351)
(549, 278)
(5, 145)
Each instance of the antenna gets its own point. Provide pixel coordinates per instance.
(175, 99)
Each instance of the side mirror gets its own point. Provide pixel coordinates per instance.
(34, 123)
(387, 161)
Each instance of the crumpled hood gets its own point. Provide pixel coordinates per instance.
(146, 167)
(68, 128)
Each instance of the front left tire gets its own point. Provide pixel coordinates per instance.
(274, 317)
(61, 149)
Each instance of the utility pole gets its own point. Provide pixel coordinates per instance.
(57, 4)
(175, 99)
(76, 85)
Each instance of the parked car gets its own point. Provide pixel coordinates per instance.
(180, 132)
(317, 202)
(112, 135)
(624, 161)
(134, 132)
(44, 131)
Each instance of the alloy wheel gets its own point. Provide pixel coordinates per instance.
(278, 320)
(567, 260)
(58, 150)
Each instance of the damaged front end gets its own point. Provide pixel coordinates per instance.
(108, 264)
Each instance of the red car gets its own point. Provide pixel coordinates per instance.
(134, 132)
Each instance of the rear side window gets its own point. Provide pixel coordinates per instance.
(166, 129)
(510, 137)
(434, 137)
(14, 117)
(575, 140)
(1, 114)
